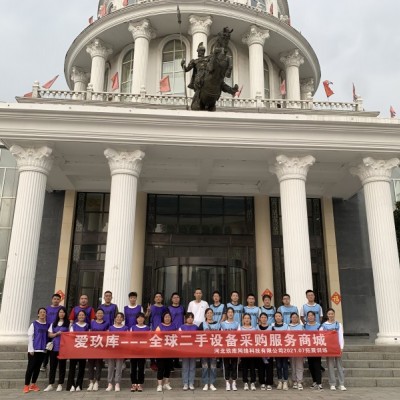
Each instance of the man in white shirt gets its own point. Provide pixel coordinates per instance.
(198, 307)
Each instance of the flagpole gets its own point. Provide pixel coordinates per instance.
(178, 12)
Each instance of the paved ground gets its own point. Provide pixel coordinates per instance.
(151, 394)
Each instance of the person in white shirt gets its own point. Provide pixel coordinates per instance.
(198, 307)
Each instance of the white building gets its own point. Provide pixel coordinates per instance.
(127, 190)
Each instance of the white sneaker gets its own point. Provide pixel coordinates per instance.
(314, 385)
(109, 387)
(341, 387)
(252, 386)
(269, 387)
(319, 387)
(234, 387)
(59, 388)
(263, 387)
(300, 386)
(228, 386)
(246, 386)
(49, 388)
(280, 385)
(72, 389)
(212, 387)
(167, 386)
(333, 387)
(95, 386)
(191, 386)
(185, 387)
(159, 388)
(117, 387)
(294, 385)
(90, 387)
(205, 387)
(285, 386)
(77, 389)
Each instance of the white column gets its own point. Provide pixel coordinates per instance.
(199, 28)
(292, 174)
(80, 78)
(34, 166)
(125, 170)
(375, 178)
(142, 33)
(292, 61)
(99, 52)
(255, 39)
(307, 88)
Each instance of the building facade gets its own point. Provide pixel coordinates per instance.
(121, 188)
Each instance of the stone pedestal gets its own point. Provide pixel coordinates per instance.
(125, 170)
(292, 174)
(34, 166)
(375, 178)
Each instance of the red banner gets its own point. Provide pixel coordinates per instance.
(195, 344)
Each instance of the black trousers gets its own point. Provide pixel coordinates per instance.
(33, 368)
(164, 366)
(71, 374)
(62, 365)
(314, 365)
(230, 368)
(249, 364)
(266, 372)
(95, 364)
(137, 371)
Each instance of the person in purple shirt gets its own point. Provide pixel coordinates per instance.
(178, 318)
(110, 309)
(51, 315)
(80, 326)
(116, 363)
(188, 364)
(96, 325)
(132, 310)
(60, 325)
(137, 364)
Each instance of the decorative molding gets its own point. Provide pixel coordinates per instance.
(98, 48)
(255, 35)
(372, 170)
(199, 24)
(123, 162)
(80, 75)
(35, 160)
(292, 58)
(142, 29)
(292, 167)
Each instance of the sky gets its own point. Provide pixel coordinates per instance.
(355, 40)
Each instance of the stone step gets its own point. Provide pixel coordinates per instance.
(371, 364)
(372, 348)
(370, 356)
(372, 372)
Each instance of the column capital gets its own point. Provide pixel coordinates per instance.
(142, 29)
(122, 162)
(292, 58)
(255, 35)
(307, 85)
(199, 24)
(78, 74)
(292, 167)
(98, 48)
(372, 170)
(35, 160)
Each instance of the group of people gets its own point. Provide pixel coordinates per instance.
(45, 336)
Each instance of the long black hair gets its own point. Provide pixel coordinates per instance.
(57, 320)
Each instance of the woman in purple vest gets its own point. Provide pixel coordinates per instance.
(60, 325)
(80, 326)
(37, 339)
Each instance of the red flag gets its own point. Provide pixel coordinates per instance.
(355, 97)
(271, 8)
(49, 84)
(91, 20)
(115, 81)
(238, 93)
(103, 10)
(28, 94)
(125, 3)
(164, 84)
(392, 112)
(329, 92)
(282, 87)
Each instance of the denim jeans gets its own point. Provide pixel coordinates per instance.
(282, 368)
(188, 370)
(208, 370)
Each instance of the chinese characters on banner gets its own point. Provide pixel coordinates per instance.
(199, 344)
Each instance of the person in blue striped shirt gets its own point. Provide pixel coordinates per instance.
(286, 309)
(252, 309)
(268, 309)
(311, 305)
(237, 307)
(218, 308)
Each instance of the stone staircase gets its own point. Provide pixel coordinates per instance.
(365, 365)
